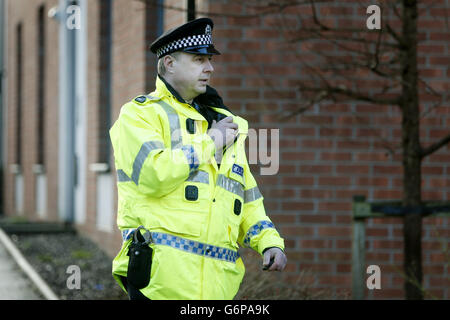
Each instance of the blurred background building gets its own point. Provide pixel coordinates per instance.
(68, 66)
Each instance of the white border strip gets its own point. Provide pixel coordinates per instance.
(27, 268)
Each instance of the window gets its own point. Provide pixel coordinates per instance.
(40, 85)
(191, 10)
(154, 12)
(19, 93)
(105, 60)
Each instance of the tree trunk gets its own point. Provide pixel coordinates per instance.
(412, 227)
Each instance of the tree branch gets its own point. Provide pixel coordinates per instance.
(331, 91)
(316, 19)
(394, 35)
(316, 33)
(434, 147)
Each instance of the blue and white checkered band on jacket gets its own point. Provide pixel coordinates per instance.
(191, 41)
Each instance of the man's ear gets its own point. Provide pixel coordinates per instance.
(168, 63)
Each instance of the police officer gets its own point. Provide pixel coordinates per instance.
(183, 178)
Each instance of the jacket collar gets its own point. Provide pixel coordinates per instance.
(208, 104)
(164, 88)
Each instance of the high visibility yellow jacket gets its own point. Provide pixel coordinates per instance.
(169, 182)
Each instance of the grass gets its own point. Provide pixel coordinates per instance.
(45, 258)
(263, 285)
(81, 254)
(14, 219)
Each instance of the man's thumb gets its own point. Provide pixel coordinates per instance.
(266, 259)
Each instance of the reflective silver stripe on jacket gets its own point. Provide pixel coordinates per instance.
(122, 176)
(252, 194)
(256, 229)
(236, 187)
(176, 138)
(199, 176)
(190, 246)
(230, 185)
(147, 147)
(143, 153)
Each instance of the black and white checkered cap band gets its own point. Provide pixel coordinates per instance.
(191, 41)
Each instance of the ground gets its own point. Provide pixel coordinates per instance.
(52, 256)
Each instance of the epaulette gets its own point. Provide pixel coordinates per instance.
(142, 100)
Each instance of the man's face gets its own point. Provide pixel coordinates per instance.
(191, 74)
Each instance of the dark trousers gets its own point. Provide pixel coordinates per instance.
(133, 293)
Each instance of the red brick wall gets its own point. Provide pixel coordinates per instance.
(333, 151)
(128, 81)
(174, 13)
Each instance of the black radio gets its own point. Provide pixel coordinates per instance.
(140, 263)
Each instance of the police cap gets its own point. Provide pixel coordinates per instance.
(192, 37)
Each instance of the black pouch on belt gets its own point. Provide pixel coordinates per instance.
(140, 263)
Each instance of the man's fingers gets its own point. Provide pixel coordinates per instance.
(276, 267)
(276, 263)
(230, 125)
(227, 119)
(266, 259)
(231, 131)
(228, 122)
(279, 260)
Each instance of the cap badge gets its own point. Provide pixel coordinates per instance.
(208, 29)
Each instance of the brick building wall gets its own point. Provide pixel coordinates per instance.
(327, 154)
(128, 79)
(333, 151)
(26, 14)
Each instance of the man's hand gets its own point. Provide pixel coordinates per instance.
(277, 257)
(223, 132)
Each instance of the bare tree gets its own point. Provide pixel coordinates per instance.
(387, 56)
